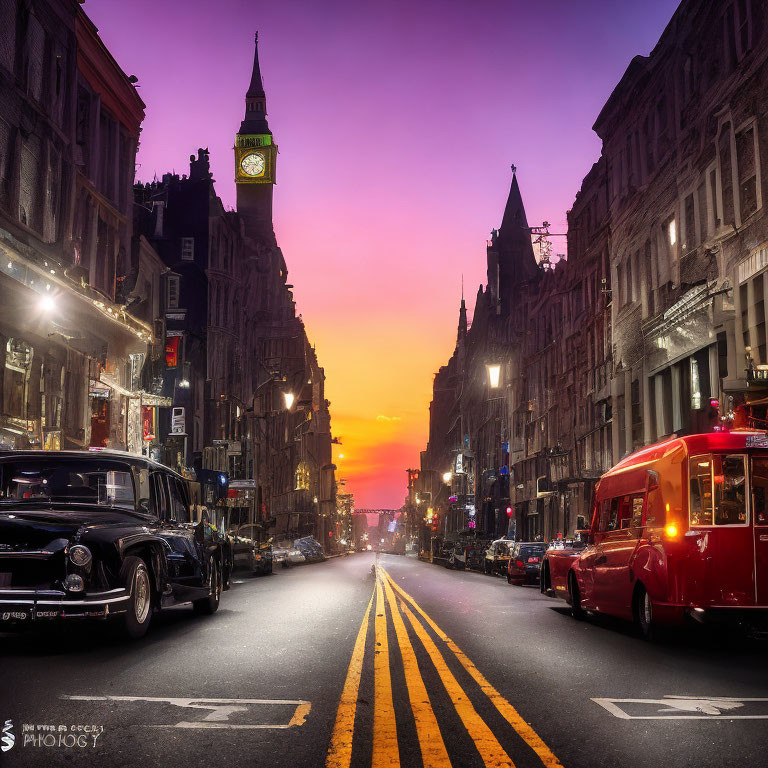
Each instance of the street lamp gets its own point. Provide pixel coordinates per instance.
(447, 477)
(47, 303)
(289, 398)
(494, 375)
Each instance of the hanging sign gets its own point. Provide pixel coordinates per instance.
(172, 352)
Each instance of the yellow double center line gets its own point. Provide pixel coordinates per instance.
(433, 751)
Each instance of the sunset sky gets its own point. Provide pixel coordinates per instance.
(397, 123)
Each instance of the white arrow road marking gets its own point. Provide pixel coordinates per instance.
(686, 708)
(220, 710)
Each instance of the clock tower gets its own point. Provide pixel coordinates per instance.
(255, 158)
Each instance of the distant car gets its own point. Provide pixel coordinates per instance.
(497, 556)
(279, 556)
(101, 535)
(525, 560)
(296, 557)
(474, 557)
(248, 552)
(311, 548)
(458, 557)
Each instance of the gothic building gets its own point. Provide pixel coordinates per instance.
(656, 323)
(242, 379)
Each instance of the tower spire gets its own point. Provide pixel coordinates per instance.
(255, 120)
(514, 239)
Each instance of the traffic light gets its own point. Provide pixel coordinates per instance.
(509, 511)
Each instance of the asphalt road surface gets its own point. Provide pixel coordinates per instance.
(336, 665)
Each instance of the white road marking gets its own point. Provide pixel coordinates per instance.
(220, 710)
(673, 707)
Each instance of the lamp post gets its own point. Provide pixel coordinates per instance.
(494, 375)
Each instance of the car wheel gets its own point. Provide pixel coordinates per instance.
(644, 613)
(573, 589)
(509, 579)
(135, 576)
(210, 604)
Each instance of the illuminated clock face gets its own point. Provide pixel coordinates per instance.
(252, 164)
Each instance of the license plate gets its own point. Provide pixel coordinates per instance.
(15, 614)
(533, 559)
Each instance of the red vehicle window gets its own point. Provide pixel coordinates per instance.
(700, 469)
(730, 490)
(760, 490)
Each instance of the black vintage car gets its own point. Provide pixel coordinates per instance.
(101, 535)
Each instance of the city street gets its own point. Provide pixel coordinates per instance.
(468, 671)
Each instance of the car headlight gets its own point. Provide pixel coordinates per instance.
(80, 555)
(74, 583)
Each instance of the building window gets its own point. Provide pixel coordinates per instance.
(726, 173)
(695, 384)
(187, 248)
(738, 31)
(746, 153)
(172, 293)
(302, 477)
(689, 221)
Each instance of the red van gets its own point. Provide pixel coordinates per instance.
(678, 528)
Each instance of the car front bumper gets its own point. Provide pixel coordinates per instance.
(20, 607)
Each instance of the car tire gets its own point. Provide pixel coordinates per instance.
(644, 614)
(573, 590)
(509, 579)
(135, 576)
(210, 604)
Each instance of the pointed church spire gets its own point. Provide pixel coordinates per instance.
(255, 120)
(462, 331)
(514, 239)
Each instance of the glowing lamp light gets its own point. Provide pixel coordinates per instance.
(494, 375)
(447, 478)
(289, 398)
(714, 402)
(671, 530)
(509, 511)
(47, 303)
(672, 232)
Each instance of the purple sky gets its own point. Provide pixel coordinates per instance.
(397, 122)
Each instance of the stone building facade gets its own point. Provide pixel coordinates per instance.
(69, 127)
(655, 324)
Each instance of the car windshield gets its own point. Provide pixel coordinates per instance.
(58, 480)
(532, 552)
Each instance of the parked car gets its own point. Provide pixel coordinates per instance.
(311, 548)
(443, 555)
(279, 556)
(296, 557)
(458, 557)
(475, 556)
(497, 556)
(101, 535)
(248, 552)
(525, 562)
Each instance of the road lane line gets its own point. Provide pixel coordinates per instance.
(508, 712)
(340, 747)
(433, 751)
(487, 744)
(386, 753)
